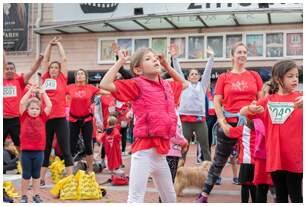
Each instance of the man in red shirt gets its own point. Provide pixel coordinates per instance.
(13, 85)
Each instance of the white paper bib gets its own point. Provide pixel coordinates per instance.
(111, 109)
(50, 84)
(211, 105)
(280, 111)
(9, 91)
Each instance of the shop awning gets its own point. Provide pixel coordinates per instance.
(179, 20)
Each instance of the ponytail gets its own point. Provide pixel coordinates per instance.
(273, 87)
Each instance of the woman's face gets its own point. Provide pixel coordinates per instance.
(194, 76)
(54, 70)
(81, 76)
(240, 56)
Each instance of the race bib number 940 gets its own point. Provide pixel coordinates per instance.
(280, 111)
(50, 84)
(9, 91)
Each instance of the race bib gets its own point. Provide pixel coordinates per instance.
(9, 91)
(111, 109)
(123, 124)
(280, 111)
(50, 84)
(119, 104)
(211, 105)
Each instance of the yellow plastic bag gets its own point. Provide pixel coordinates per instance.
(57, 170)
(66, 188)
(19, 168)
(88, 187)
(10, 190)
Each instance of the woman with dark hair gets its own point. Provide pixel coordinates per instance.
(234, 89)
(54, 83)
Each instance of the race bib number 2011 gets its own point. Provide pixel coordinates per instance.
(9, 91)
(280, 111)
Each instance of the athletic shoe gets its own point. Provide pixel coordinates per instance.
(201, 199)
(37, 199)
(218, 182)
(236, 181)
(24, 199)
(103, 165)
(42, 184)
(6, 198)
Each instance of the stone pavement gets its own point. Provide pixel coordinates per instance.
(224, 193)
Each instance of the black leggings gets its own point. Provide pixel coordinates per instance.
(245, 193)
(58, 126)
(123, 139)
(75, 128)
(287, 183)
(261, 193)
(210, 121)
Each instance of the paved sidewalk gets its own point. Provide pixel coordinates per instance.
(224, 193)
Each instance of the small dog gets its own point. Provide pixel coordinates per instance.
(191, 176)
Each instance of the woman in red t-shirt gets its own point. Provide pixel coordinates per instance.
(282, 114)
(32, 139)
(81, 115)
(234, 89)
(54, 81)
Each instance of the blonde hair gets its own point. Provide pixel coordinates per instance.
(33, 100)
(111, 121)
(137, 58)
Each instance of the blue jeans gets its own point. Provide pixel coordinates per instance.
(31, 162)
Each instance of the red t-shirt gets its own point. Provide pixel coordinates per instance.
(127, 90)
(12, 94)
(111, 143)
(246, 143)
(238, 90)
(284, 142)
(56, 90)
(80, 97)
(107, 103)
(32, 131)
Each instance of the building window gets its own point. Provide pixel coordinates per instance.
(125, 44)
(254, 43)
(141, 43)
(106, 51)
(180, 42)
(231, 40)
(196, 47)
(274, 43)
(159, 45)
(216, 43)
(294, 44)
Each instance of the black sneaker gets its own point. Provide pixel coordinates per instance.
(24, 199)
(37, 199)
(218, 182)
(236, 181)
(42, 184)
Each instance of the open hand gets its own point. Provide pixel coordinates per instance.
(162, 59)
(299, 102)
(210, 52)
(123, 55)
(255, 108)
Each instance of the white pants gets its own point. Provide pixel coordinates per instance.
(147, 162)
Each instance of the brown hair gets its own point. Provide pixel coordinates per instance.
(235, 46)
(34, 100)
(279, 71)
(111, 121)
(137, 58)
(85, 72)
(55, 62)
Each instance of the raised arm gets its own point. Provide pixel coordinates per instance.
(107, 82)
(47, 54)
(4, 60)
(64, 63)
(126, 74)
(33, 69)
(176, 64)
(24, 100)
(47, 101)
(175, 75)
(205, 79)
(98, 113)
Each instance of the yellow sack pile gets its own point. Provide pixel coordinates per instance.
(19, 168)
(57, 169)
(82, 186)
(10, 190)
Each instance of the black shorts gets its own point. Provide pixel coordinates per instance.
(12, 127)
(246, 173)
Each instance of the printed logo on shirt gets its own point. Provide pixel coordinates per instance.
(119, 104)
(176, 147)
(280, 111)
(80, 93)
(9, 91)
(50, 84)
(239, 85)
(111, 109)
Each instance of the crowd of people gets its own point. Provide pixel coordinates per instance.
(160, 109)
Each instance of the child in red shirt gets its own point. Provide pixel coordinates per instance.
(151, 144)
(282, 114)
(111, 140)
(32, 138)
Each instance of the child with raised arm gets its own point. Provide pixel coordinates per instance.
(282, 115)
(153, 104)
(32, 139)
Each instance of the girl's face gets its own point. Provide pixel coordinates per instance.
(240, 56)
(291, 80)
(194, 76)
(150, 64)
(34, 109)
(81, 76)
(54, 70)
